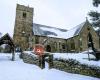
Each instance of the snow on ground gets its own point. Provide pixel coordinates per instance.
(18, 70)
(81, 57)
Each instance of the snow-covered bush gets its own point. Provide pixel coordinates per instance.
(74, 66)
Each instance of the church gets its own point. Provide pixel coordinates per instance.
(27, 34)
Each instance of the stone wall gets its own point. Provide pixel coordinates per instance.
(84, 36)
(76, 44)
(35, 59)
(69, 65)
(54, 43)
(73, 66)
(30, 58)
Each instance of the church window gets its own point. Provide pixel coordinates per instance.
(88, 29)
(72, 44)
(90, 40)
(59, 45)
(80, 41)
(63, 46)
(80, 44)
(24, 15)
(55, 45)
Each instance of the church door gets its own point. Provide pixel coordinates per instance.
(48, 48)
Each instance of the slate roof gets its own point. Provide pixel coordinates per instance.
(74, 31)
(43, 30)
(0, 34)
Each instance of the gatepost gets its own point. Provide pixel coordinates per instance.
(50, 61)
(42, 61)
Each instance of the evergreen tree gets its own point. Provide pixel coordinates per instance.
(96, 3)
(95, 15)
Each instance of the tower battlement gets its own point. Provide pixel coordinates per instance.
(24, 8)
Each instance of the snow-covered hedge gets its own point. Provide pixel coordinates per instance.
(74, 66)
(81, 57)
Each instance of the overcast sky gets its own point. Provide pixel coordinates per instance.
(57, 13)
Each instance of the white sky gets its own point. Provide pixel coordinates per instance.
(57, 13)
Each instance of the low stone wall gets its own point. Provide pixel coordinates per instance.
(30, 58)
(73, 66)
(35, 59)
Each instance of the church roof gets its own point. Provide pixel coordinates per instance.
(74, 31)
(44, 30)
(48, 31)
(0, 34)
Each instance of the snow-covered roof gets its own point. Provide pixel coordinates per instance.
(0, 34)
(7, 36)
(74, 31)
(43, 30)
(48, 31)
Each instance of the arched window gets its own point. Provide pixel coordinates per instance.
(80, 43)
(63, 46)
(90, 41)
(88, 29)
(59, 45)
(55, 44)
(72, 44)
(48, 48)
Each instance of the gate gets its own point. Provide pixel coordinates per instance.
(42, 60)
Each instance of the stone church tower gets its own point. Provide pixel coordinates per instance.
(23, 26)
